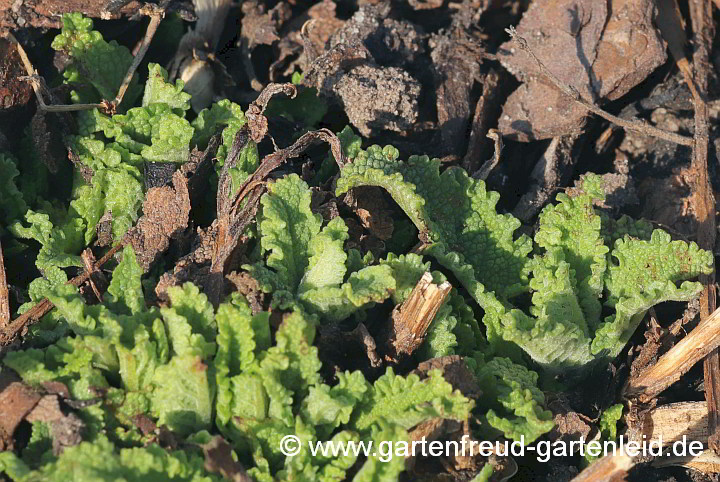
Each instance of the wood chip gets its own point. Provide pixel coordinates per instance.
(411, 319)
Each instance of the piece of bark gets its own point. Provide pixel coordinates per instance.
(569, 425)
(486, 112)
(456, 55)
(650, 350)
(66, 429)
(48, 13)
(702, 340)
(601, 50)
(552, 171)
(16, 401)
(4, 293)
(411, 319)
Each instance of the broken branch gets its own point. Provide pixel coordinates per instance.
(677, 361)
(15, 327)
(156, 15)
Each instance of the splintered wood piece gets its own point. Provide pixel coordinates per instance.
(609, 468)
(669, 423)
(4, 294)
(707, 462)
(411, 320)
(677, 361)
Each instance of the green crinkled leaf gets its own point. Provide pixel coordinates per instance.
(222, 113)
(555, 334)
(326, 265)
(158, 90)
(13, 205)
(449, 209)
(189, 302)
(516, 404)
(291, 366)
(382, 466)
(330, 407)
(98, 460)
(287, 227)
(407, 269)
(373, 284)
(407, 401)
(94, 61)
(183, 395)
(572, 226)
(643, 274)
(59, 243)
(115, 190)
(241, 338)
(125, 293)
(309, 263)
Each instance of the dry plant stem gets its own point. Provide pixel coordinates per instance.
(156, 16)
(4, 293)
(15, 327)
(490, 164)
(677, 361)
(411, 320)
(34, 79)
(702, 199)
(609, 468)
(570, 91)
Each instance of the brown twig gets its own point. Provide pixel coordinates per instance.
(636, 125)
(677, 361)
(15, 327)
(4, 293)
(37, 86)
(156, 15)
(703, 200)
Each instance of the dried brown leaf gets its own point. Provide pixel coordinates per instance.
(16, 401)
